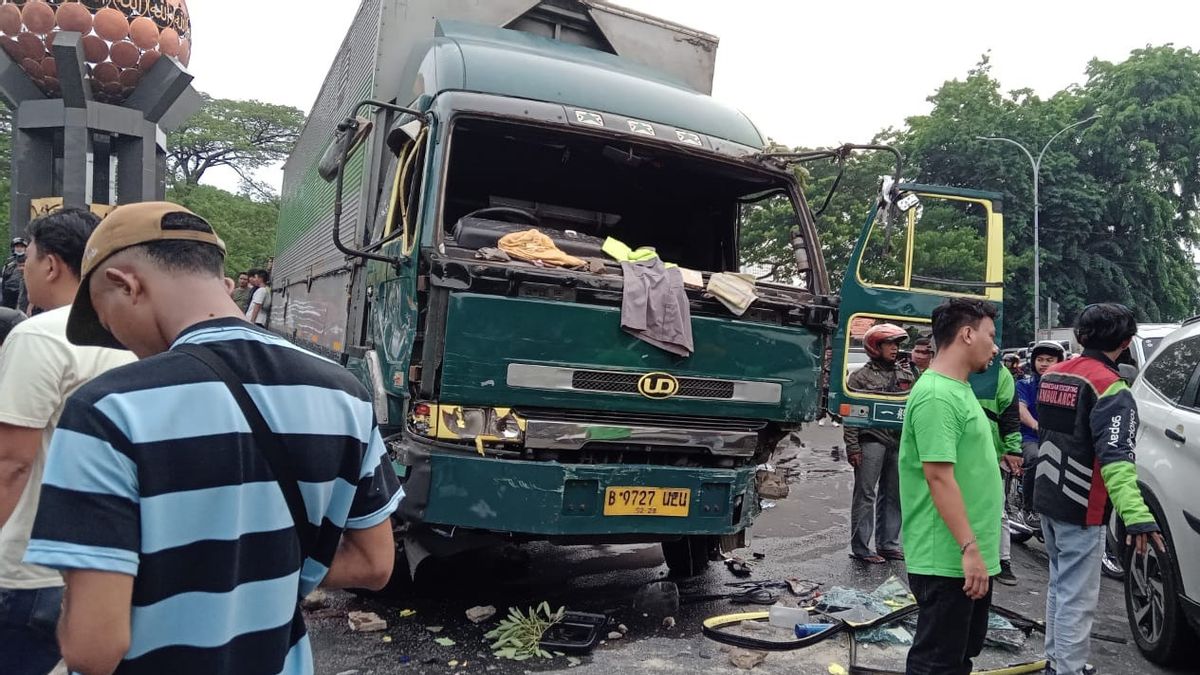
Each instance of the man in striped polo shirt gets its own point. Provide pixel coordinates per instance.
(161, 504)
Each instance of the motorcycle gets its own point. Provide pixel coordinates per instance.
(1024, 525)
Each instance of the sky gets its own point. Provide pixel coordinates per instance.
(807, 73)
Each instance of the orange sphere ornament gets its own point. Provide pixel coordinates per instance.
(75, 18)
(111, 24)
(122, 39)
(38, 17)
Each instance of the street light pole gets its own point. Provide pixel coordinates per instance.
(1037, 253)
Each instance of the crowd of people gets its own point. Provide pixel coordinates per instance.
(1066, 430)
(150, 519)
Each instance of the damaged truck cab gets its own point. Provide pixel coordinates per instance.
(514, 404)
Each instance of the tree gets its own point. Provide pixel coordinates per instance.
(246, 226)
(1146, 149)
(767, 225)
(241, 135)
(5, 177)
(1118, 199)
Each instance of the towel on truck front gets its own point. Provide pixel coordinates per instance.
(534, 246)
(654, 306)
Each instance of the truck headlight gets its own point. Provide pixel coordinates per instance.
(461, 423)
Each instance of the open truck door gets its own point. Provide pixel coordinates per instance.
(921, 244)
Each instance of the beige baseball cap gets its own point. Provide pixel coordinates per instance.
(125, 226)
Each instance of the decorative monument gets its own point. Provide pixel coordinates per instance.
(94, 86)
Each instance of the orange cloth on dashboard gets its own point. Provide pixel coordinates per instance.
(532, 245)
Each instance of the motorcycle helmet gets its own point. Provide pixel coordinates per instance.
(884, 332)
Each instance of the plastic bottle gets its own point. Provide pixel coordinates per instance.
(787, 617)
(808, 629)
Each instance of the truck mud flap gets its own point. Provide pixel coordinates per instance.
(417, 484)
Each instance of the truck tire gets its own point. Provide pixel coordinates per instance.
(688, 556)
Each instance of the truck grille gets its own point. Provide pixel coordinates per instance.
(626, 383)
(732, 424)
(579, 380)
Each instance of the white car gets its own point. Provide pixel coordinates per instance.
(1149, 336)
(1162, 592)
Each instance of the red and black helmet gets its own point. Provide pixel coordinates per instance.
(879, 334)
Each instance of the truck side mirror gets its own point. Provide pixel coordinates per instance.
(349, 135)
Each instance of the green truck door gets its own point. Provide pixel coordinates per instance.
(935, 244)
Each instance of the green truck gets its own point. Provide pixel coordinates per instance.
(515, 406)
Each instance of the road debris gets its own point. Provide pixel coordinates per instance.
(519, 635)
(433, 629)
(771, 485)
(668, 622)
(739, 567)
(616, 635)
(445, 642)
(327, 613)
(623, 628)
(745, 658)
(366, 622)
(572, 661)
(405, 613)
(315, 600)
(481, 614)
(658, 598)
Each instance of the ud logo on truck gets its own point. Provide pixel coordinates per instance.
(658, 385)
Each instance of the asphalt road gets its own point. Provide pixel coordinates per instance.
(802, 536)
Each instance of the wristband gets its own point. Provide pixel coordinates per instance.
(963, 549)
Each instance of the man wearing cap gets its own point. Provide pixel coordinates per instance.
(192, 497)
(39, 369)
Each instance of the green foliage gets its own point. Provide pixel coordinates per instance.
(241, 135)
(247, 226)
(519, 635)
(1118, 197)
(5, 175)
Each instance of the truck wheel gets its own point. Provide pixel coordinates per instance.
(688, 556)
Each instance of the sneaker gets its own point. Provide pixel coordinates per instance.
(1088, 669)
(1006, 575)
(1030, 519)
(1112, 566)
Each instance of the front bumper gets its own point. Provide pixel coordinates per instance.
(453, 488)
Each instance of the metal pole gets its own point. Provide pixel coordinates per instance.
(1037, 253)
(1037, 249)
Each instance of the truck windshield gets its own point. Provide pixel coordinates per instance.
(580, 189)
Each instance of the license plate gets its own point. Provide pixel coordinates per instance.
(647, 501)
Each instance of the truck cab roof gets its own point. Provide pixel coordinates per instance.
(474, 57)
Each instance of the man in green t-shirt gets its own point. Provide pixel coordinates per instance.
(950, 493)
(1004, 418)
